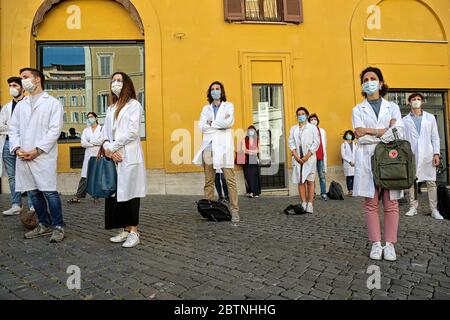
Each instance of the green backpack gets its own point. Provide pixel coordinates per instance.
(394, 164)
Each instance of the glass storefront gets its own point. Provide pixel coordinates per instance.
(434, 104)
(268, 118)
(79, 75)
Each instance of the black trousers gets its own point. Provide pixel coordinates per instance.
(349, 180)
(121, 214)
(81, 192)
(252, 179)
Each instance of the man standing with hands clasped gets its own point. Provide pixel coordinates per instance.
(421, 131)
(34, 131)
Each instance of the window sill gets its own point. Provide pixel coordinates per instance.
(280, 23)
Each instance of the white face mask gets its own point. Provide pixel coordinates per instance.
(314, 122)
(416, 104)
(116, 87)
(14, 92)
(28, 85)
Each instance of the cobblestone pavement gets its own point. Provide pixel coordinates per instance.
(268, 256)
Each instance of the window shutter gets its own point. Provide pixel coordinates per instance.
(234, 10)
(293, 11)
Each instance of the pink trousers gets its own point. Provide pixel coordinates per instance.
(391, 217)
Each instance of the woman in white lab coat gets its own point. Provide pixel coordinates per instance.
(373, 122)
(122, 143)
(90, 141)
(348, 149)
(304, 142)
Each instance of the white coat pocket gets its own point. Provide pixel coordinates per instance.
(132, 154)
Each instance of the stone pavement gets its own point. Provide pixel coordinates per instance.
(268, 256)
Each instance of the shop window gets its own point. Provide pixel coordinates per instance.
(264, 10)
(434, 104)
(79, 74)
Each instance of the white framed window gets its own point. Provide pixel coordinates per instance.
(102, 103)
(83, 101)
(105, 64)
(73, 101)
(65, 117)
(62, 99)
(83, 117)
(75, 118)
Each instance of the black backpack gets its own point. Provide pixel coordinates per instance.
(335, 192)
(213, 210)
(443, 193)
(295, 210)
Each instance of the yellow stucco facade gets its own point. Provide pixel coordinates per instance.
(188, 44)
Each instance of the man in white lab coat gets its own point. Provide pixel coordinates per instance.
(217, 151)
(422, 132)
(34, 131)
(8, 160)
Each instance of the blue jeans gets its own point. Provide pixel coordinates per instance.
(322, 178)
(9, 161)
(40, 199)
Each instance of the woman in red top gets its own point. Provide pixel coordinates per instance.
(250, 146)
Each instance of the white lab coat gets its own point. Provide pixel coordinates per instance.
(348, 155)
(39, 127)
(219, 133)
(89, 141)
(324, 145)
(365, 117)
(424, 146)
(307, 139)
(5, 117)
(123, 136)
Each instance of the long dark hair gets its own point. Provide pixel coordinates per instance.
(126, 94)
(377, 71)
(247, 138)
(223, 96)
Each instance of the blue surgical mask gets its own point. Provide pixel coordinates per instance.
(302, 118)
(216, 94)
(371, 87)
(349, 137)
(91, 121)
(251, 133)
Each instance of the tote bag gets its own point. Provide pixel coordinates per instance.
(101, 176)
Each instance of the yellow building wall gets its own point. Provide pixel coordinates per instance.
(318, 61)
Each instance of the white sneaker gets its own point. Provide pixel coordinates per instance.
(13, 211)
(132, 240)
(309, 208)
(121, 237)
(377, 251)
(412, 212)
(435, 214)
(304, 205)
(389, 252)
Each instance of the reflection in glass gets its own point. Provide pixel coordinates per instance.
(79, 77)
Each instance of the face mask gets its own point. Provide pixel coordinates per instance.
(349, 137)
(91, 121)
(416, 104)
(314, 122)
(302, 118)
(251, 133)
(14, 92)
(371, 87)
(216, 94)
(116, 87)
(28, 84)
